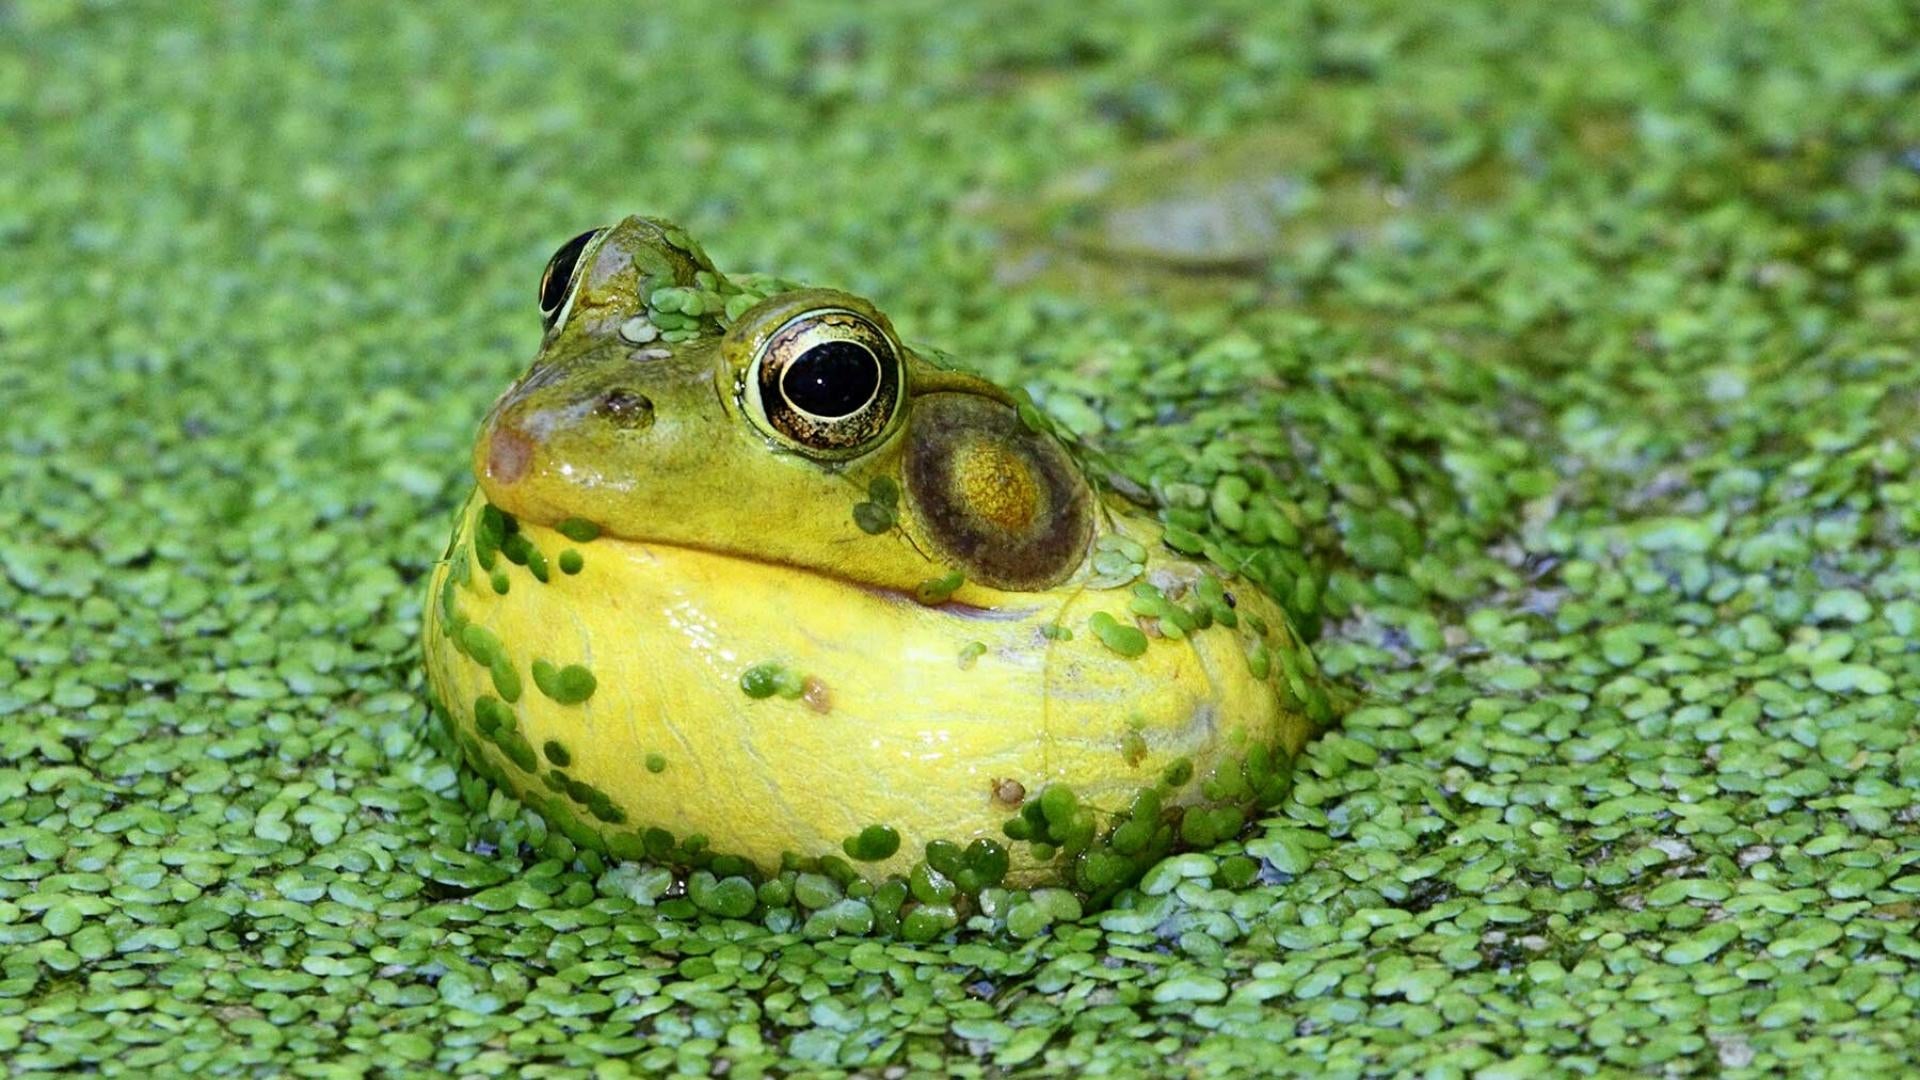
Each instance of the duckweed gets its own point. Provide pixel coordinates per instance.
(732, 897)
(764, 680)
(941, 589)
(490, 716)
(1555, 373)
(1173, 621)
(876, 514)
(1259, 660)
(514, 744)
(506, 681)
(872, 517)
(517, 548)
(1125, 640)
(569, 685)
(761, 680)
(480, 644)
(489, 532)
(875, 842)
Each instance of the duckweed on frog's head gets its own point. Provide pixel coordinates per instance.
(852, 597)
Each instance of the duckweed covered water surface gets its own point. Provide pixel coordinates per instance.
(1557, 371)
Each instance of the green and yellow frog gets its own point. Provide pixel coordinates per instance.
(747, 578)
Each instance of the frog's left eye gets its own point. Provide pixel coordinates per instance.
(556, 284)
(827, 381)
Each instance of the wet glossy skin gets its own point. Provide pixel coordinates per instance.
(663, 442)
(831, 588)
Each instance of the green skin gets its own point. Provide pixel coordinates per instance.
(644, 399)
(630, 412)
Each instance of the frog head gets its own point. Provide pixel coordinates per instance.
(670, 406)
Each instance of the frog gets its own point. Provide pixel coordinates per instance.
(746, 581)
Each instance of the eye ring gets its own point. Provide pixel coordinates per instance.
(556, 281)
(826, 382)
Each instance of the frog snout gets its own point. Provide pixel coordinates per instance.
(515, 437)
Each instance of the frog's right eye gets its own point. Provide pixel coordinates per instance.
(556, 284)
(827, 382)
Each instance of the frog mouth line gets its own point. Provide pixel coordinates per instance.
(954, 608)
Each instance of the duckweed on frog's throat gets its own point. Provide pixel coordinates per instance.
(762, 584)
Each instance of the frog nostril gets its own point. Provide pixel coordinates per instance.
(626, 409)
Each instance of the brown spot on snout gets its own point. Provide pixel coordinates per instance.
(509, 452)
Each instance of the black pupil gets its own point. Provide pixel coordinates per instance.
(832, 379)
(553, 287)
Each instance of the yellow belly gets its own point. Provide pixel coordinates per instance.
(886, 716)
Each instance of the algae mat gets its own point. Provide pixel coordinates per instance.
(1563, 364)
